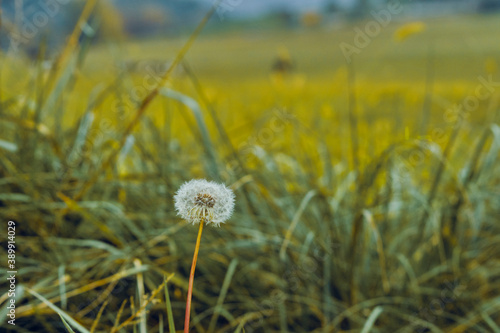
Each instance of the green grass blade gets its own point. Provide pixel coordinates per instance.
(62, 286)
(371, 319)
(60, 312)
(170, 315)
(70, 330)
(8, 146)
(223, 293)
(295, 221)
(51, 102)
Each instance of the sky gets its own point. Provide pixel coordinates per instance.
(248, 8)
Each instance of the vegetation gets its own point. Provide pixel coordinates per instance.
(366, 201)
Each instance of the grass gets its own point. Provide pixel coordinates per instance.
(403, 239)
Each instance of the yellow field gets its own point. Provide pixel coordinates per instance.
(234, 70)
(392, 80)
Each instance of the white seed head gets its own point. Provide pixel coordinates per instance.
(200, 200)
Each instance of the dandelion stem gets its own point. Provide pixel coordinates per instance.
(191, 279)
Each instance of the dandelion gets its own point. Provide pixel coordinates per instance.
(200, 201)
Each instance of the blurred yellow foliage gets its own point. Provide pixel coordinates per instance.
(491, 66)
(408, 30)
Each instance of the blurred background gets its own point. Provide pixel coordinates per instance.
(55, 19)
(361, 139)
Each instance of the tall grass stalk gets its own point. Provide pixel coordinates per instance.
(72, 43)
(168, 305)
(437, 179)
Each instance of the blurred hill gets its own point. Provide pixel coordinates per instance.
(155, 16)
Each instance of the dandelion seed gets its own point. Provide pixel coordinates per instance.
(200, 200)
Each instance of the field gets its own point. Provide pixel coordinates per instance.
(367, 194)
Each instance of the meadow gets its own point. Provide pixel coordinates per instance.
(367, 195)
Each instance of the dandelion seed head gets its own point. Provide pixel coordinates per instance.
(200, 200)
(204, 200)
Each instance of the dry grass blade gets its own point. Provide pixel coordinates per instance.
(73, 39)
(27, 310)
(98, 318)
(137, 314)
(118, 316)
